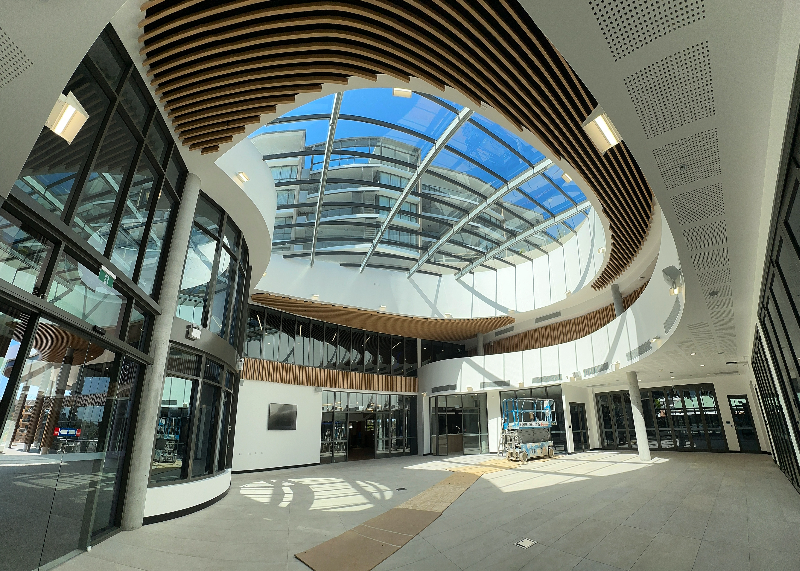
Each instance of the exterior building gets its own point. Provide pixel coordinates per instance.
(260, 237)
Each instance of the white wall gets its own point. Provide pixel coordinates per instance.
(257, 448)
(169, 499)
(484, 294)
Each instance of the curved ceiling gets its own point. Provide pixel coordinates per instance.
(218, 68)
(487, 199)
(392, 324)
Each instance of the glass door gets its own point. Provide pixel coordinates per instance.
(580, 432)
(743, 423)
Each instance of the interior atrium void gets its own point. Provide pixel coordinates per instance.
(406, 285)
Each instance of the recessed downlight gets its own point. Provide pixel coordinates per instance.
(399, 92)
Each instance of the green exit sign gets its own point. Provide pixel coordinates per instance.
(106, 276)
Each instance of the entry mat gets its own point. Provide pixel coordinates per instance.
(364, 547)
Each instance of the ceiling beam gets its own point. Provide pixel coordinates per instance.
(337, 105)
(426, 162)
(538, 229)
(510, 186)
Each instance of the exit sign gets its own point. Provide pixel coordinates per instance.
(106, 276)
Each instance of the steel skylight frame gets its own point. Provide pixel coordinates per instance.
(337, 105)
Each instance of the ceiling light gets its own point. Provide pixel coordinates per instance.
(566, 178)
(672, 377)
(315, 297)
(448, 316)
(601, 131)
(702, 365)
(67, 117)
(601, 250)
(675, 290)
(692, 354)
(383, 308)
(398, 92)
(242, 177)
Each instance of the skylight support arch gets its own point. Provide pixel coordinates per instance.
(337, 105)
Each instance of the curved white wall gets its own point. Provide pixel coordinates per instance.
(654, 315)
(532, 285)
(164, 500)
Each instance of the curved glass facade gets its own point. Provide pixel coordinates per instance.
(82, 234)
(489, 183)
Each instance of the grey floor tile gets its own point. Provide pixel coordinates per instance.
(591, 565)
(581, 540)
(415, 550)
(687, 522)
(653, 515)
(772, 560)
(488, 541)
(713, 556)
(622, 547)
(668, 552)
(552, 560)
(436, 562)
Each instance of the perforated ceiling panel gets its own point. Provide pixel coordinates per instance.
(690, 159)
(674, 91)
(628, 25)
(12, 61)
(710, 259)
(696, 205)
(706, 235)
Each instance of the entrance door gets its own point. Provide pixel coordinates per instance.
(580, 433)
(743, 422)
(361, 437)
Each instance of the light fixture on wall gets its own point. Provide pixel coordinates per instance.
(383, 308)
(566, 178)
(315, 297)
(193, 332)
(601, 250)
(67, 117)
(239, 364)
(469, 389)
(242, 177)
(448, 316)
(601, 130)
(521, 385)
(399, 92)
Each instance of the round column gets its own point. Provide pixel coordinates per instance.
(480, 344)
(150, 404)
(638, 417)
(616, 296)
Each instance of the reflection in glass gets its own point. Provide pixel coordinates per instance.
(22, 253)
(220, 298)
(171, 454)
(96, 205)
(196, 276)
(79, 291)
(204, 442)
(134, 218)
(155, 242)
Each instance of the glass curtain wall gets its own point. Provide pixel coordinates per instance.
(459, 424)
(558, 432)
(277, 336)
(75, 342)
(361, 426)
(676, 418)
(192, 435)
(214, 273)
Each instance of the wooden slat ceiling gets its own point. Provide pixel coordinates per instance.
(392, 324)
(218, 67)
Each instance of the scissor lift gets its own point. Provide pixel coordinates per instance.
(526, 429)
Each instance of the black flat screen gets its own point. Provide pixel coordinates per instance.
(282, 417)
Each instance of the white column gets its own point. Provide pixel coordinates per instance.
(153, 386)
(638, 417)
(480, 344)
(616, 296)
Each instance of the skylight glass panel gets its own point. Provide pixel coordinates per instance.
(555, 173)
(475, 177)
(323, 105)
(488, 151)
(524, 148)
(356, 129)
(316, 131)
(546, 195)
(415, 112)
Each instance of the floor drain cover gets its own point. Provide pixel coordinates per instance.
(525, 543)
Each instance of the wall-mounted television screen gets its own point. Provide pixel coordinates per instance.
(282, 417)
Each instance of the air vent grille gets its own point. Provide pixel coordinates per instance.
(547, 317)
(495, 384)
(627, 25)
(639, 351)
(545, 379)
(721, 276)
(706, 236)
(597, 369)
(690, 159)
(12, 61)
(673, 92)
(696, 205)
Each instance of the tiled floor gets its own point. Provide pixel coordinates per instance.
(591, 511)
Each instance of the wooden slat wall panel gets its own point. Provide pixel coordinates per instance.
(488, 50)
(393, 324)
(561, 332)
(272, 371)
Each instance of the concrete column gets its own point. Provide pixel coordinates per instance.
(638, 417)
(480, 344)
(419, 355)
(619, 308)
(150, 404)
